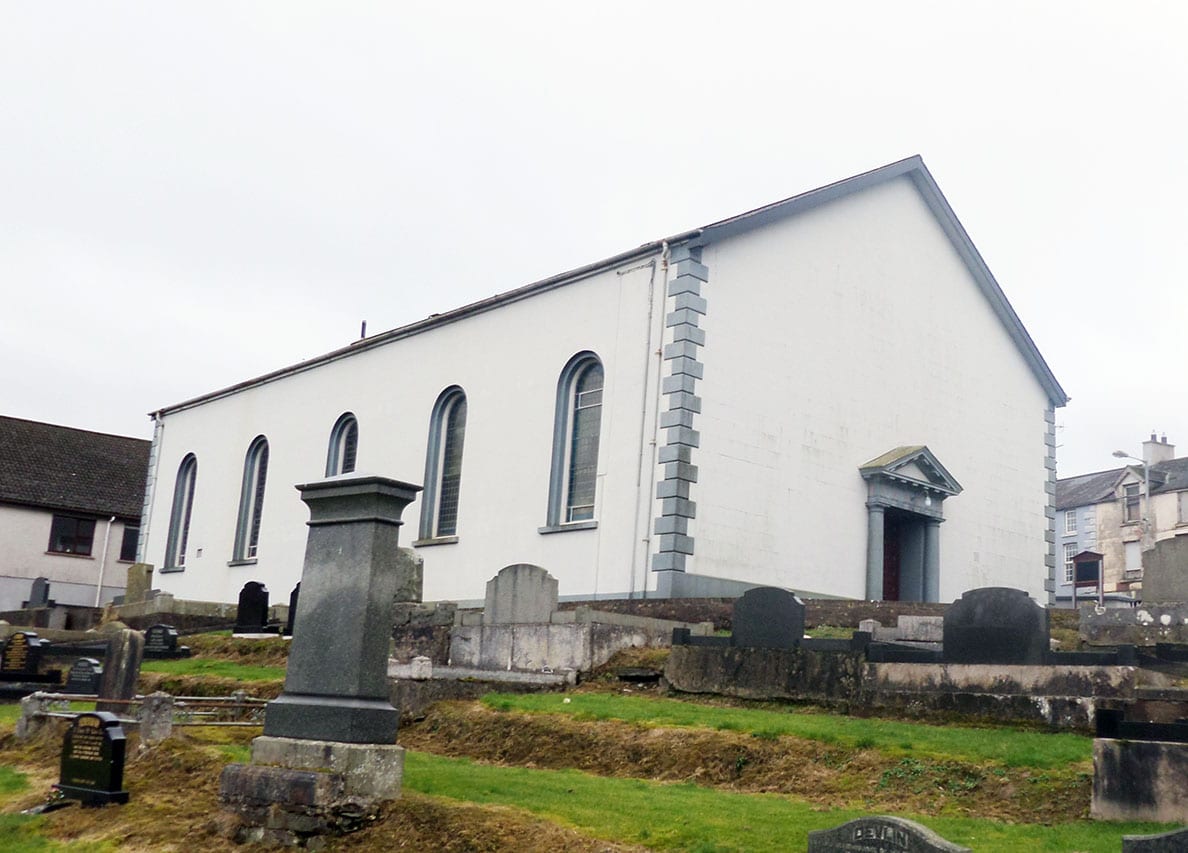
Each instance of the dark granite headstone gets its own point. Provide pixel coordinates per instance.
(39, 594)
(21, 660)
(93, 760)
(160, 641)
(84, 677)
(293, 597)
(768, 618)
(996, 625)
(880, 834)
(1175, 841)
(252, 615)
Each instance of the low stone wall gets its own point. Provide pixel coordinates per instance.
(187, 617)
(1062, 697)
(1144, 625)
(422, 630)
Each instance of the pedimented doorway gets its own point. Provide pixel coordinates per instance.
(906, 490)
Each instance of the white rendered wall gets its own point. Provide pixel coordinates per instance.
(507, 361)
(833, 337)
(23, 557)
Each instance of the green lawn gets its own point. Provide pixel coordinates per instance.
(1006, 747)
(214, 667)
(704, 820)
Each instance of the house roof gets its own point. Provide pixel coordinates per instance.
(1086, 489)
(912, 168)
(62, 468)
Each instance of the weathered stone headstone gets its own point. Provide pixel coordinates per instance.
(160, 642)
(92, 769)
(39, 593)
(252, 614)
(121, 669)
(294, 598)
(410, 569)
(520, 594)
(768, 618)
(140, 583)
(880, 834)
(996, 625)
(84, 677)
(1175, 841)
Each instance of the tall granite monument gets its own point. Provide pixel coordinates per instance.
(329, 738)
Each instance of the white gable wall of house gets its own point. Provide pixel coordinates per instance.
(507, 362)
(832, 337)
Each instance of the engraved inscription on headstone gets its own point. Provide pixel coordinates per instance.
(22, 653)
(880, 834)
(92, 768)
(160, 641)
(84, 677)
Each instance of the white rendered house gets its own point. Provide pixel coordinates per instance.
(829, 394)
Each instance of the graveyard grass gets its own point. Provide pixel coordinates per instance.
(507, 804)
(1008, 747)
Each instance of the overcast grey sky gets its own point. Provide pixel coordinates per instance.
(191, 195)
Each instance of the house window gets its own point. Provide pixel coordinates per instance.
(1183, 516)
(577, 425)
(1130, 503)
(179, 517)
(1070, 521)
(129, 542)
(70, 535)
(1070, 551)
(443, 465)
(251, 500)
(1134, 559)
(344, 444)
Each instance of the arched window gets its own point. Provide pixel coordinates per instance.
(577, 423)
(443, 465)
(344, 443)
(251, 500)
(179, 516)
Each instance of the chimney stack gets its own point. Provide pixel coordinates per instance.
(1156, 450)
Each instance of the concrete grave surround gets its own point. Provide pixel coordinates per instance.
(996, 625)
(522, 630)
(520, 594)
(1140, 780)
(880, 834)
(336, 685)
(768, 618)
(1175, 841)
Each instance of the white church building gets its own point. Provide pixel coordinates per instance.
(829, 394)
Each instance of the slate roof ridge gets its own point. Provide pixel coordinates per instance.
(913, 167)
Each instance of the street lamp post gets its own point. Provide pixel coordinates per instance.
(1145, 534)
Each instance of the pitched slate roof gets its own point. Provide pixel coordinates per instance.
(62, 468)
(912, 167)
(1085, 489)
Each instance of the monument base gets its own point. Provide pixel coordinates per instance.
(91, 797)
(331, 718)
(298, 789)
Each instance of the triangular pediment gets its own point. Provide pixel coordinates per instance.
(914, 465)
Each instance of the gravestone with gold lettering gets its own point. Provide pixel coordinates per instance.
(21, 660)
(92, 769)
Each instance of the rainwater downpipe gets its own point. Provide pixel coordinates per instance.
(103, 560)
(643, 424)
